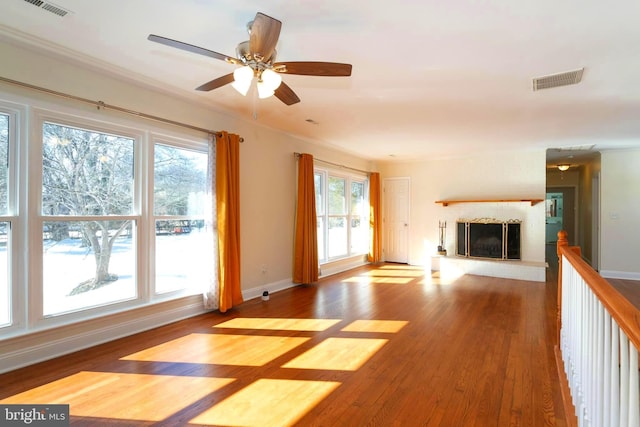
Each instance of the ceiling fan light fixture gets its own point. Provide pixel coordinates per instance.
(243, 77)
(263, 90)
(255, 57)
(271, 79)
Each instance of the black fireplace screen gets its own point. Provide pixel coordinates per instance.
(498, 240)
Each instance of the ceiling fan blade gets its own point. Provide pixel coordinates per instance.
(265, 32)
(216, 83)
(286, 95)
(191, 48)
(311, 68)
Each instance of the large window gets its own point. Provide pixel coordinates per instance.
(110, 217)
(183, 234)
(341, 208)
(88, 228)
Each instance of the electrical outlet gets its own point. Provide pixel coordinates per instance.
(263, 269)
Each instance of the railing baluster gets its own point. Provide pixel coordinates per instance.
(600, 367)
(614, 419)
(606, 368)
(624, 380)
(634, 415)
(599, 338)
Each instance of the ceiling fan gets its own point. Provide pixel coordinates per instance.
(257, 58)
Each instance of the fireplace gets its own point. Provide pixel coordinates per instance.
(488, 238)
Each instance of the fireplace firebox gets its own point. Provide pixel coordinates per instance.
(488, 238)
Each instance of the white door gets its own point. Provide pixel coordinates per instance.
(396, 220)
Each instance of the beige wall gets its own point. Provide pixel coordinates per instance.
(268, 171)
(267, 185)
(588, 173)
(267, 163)
(503, 175)
(620, 214)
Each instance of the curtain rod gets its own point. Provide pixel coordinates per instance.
(335, 164)
(100, 104)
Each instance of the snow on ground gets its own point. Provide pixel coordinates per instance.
(182, 261)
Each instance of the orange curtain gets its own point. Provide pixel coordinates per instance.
(228, 214)
(375, 218)
(305, 263)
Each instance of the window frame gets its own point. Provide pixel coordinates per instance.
(160, 139)
(28, 116)
(16, 202)
(349, 177)
(36, 218)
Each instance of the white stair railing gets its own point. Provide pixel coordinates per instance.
(599, 340)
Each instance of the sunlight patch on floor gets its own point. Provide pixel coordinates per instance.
(450, 273)
(109, 395)
(277, 324)
(373, 280)
(267, 402)
(338, 354)
(438, 278)
(401, 267)
(381, 326)
(408, 272)
(238, 350)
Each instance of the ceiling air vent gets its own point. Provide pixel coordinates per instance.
(49, 7)
(556, 80)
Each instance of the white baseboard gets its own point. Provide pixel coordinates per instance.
(627, 275)
(44, 349)
(326, 270)
(269, 287)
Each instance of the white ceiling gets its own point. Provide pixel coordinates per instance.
(430, 78)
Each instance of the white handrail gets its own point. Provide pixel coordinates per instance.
(601, 363)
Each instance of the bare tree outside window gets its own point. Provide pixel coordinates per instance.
(87, 173)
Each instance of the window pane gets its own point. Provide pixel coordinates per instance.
(180, 181)
(320, 237)
(184, 254)
(87, 264)
(319, 188)
(359, 235)
(357, 199)
(337, 196)
(184, 247)
(4, 161)
(359, 229)
(337, 236)
(5, 290)
(86, 172)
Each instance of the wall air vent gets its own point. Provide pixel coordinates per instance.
(49, 7)
(556, 80)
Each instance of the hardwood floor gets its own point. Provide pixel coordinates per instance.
(630, 289)
(377, 346)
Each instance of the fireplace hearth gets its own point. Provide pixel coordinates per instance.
(488, 238)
